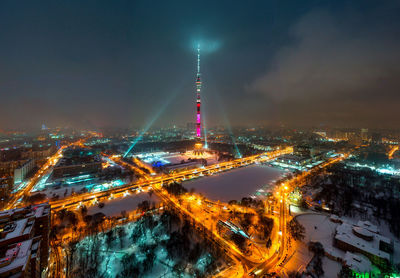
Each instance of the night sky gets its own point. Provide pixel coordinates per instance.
(128, 63)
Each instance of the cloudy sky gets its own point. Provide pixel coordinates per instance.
(129, 63)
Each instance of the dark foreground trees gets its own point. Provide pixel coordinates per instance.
(175, 188)
(316, 263)
(295, 229)
(156, 239)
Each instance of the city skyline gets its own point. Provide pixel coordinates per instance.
(240, 139)
(94, 65)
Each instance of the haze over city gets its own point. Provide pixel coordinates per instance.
(96, 64)
(196, 139)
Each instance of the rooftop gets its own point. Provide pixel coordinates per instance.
(16, 257)
(344, 232)
(78, 161)
(15, 228)
(368, 226)
(26, 212)
(357, 262)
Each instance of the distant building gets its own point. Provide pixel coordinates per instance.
(321, 133)
(376, 138)
(4, 189)
(77, 161)
(23, 170)
(364, 238)
(364, 134)
(294, 161)
(175, 168)
(354, 138)
(302, 150)
(8, 167)
(24, 241)
(40, 152)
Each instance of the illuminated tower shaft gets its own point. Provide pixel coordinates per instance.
(198, 100)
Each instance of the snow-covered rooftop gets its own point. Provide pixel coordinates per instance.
(363, 232)
(358, 262)
(18, 255)
(17, 228)
(37, 211)
(368, 226)
(344, 233)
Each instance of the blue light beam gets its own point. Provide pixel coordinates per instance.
(151, 122)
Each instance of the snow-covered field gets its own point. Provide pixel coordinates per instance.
(64, 189)
(320, 228)
(235, 184)
(128, 203)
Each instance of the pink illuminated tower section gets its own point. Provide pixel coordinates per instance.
(198, 100)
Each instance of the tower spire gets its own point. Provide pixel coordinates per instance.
(198, 100)
(198, 59)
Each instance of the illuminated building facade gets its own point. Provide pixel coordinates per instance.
(77, 161)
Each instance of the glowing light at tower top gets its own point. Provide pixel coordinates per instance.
(198, 100)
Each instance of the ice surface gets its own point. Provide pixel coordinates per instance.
(235, 184)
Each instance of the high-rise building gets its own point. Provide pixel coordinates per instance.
(24, 241)
(23, 170)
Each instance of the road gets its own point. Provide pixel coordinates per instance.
(32, 182)
(156, 183)
(209, 223)
(45, 169)
(272, 264)
(77, 200)
(392, 151)
(233, 251)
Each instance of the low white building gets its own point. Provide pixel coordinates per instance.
(366, 240)
(24, 169)
(357, 263)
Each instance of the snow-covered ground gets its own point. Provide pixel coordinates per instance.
(129, 246)
(128, 203)
(235, 184)
(319, 228)
(299, 258)
(64, 189)
(331, 267)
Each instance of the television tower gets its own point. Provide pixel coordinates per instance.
(198, 100)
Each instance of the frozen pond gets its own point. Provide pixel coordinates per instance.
(235, 184)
